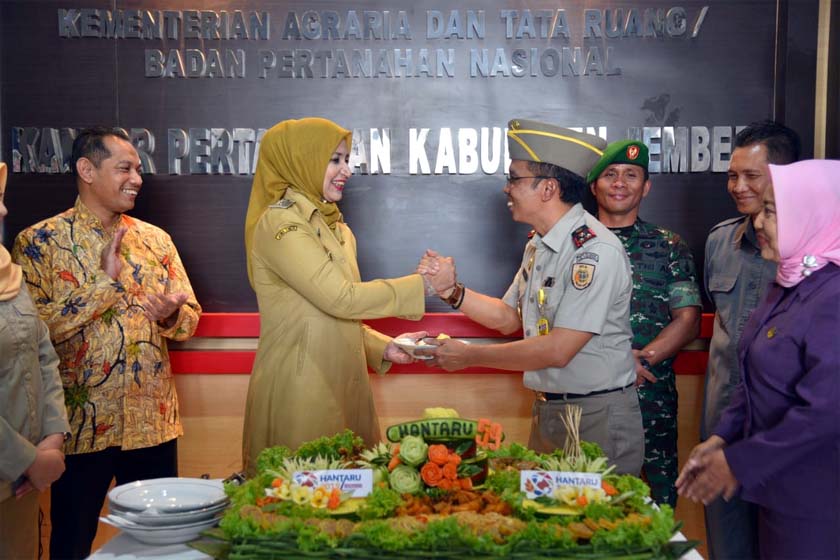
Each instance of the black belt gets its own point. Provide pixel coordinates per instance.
(563, 396)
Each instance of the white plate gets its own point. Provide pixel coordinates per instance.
(168, 495)
(409, 345)
(161, 535)
(154, 518)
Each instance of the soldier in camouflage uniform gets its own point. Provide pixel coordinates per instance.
(664, 310)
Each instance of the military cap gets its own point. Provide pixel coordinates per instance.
(545, 143)
(633, 152)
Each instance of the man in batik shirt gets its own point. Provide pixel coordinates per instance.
(111, 289)
(664, 310)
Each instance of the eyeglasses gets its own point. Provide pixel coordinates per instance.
(510, 179)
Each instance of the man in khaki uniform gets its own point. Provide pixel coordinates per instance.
(570, 297)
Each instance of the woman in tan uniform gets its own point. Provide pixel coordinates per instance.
(310, 375)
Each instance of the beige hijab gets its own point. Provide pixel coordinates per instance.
(294, 154)
(10, 273)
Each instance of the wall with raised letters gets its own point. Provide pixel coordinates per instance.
(427, 88)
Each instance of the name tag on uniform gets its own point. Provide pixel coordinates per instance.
(284, 230)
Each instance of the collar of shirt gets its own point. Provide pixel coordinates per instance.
(558, 235)
(307, 208)
(746, 232)
(809, 285)
(640, 228)
(88, 219)
(637, 229)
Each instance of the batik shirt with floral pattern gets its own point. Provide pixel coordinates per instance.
(118, 384)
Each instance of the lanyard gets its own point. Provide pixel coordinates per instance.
(543, 327)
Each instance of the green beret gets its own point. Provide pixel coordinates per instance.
(545, 143)
(633, 152)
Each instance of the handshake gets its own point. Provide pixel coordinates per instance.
(439, 277)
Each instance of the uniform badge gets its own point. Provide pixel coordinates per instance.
(581, 235)
(532, 233)
(582, 275)
(632, 152)
(771, 332)
(284, 230)
(587, 256)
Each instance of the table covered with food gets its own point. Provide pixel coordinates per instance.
(439, 487)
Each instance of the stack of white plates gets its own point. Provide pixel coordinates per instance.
(166, 510)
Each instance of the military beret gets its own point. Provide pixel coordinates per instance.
(633, 152)
(545, 143)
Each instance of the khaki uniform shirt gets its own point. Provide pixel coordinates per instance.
(736, 279)
(310, 376)
(585, 277)
(31, 399)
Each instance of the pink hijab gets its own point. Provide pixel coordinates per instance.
(808, 217)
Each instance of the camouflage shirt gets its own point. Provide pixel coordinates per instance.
(664, 278)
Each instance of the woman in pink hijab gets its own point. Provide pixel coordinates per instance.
(778, 443)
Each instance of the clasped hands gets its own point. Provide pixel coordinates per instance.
(161, 308)
(46, 468)
(706, 475)
(439, 278)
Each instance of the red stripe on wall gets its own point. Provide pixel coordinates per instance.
(246, 325)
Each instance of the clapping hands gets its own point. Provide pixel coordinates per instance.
(163, 308)
(110, 260)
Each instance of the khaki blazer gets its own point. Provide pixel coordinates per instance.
(310, 375)
(31, 396)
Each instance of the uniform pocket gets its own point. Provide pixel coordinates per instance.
(722, 283)
(626, 429)
(550, 302)
(721, 287)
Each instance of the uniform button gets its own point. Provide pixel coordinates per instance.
(527, 332)
(531, 299)
(539, 267)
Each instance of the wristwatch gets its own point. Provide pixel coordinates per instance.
(456, 298)
(645, 364)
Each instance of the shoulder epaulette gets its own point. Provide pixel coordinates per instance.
(283, 203)
(728, 222)
(581, 235)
